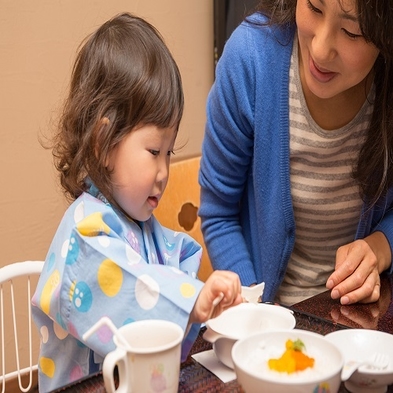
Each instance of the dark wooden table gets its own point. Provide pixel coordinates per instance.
(319, 314)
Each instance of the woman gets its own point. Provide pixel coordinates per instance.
(296, 169)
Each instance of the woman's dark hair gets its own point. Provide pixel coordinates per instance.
(374, 169)
(124, 77)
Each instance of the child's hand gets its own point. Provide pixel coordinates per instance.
(223, 284)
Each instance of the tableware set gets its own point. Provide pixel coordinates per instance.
(361, 358)
(244, 338)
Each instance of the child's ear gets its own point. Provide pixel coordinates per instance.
(100, 128)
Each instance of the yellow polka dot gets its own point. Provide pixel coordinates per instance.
(93, 225)
(47, 367)
(187, 289)
(47, 291)
(72, 290)
(110, 278)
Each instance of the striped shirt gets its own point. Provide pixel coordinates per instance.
(326, 199)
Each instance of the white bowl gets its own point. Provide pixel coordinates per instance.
(250, 356)
(360, 345)
(242, 321)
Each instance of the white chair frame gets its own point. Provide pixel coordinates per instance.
(7, 274)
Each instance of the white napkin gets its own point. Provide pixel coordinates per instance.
(209, 360)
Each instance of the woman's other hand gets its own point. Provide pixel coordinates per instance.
(358, 266)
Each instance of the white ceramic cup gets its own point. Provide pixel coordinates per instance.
(152, 361)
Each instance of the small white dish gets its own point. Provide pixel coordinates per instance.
(242, 321)
(361, 345)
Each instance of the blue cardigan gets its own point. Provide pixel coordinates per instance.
(246, 207)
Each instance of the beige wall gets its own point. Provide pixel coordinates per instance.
(38, 40)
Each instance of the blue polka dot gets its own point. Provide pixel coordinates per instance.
(169, 246)
(128, 320)
(80, 344)
(73, 251)
(82, 297)
(59, 320)
(51, 262)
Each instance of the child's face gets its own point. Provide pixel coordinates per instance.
(140, 165)
(334, 57)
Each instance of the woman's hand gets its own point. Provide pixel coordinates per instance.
(220, 284)
(370, 315)
(358, 266)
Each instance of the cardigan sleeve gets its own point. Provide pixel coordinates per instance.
(227, 155)
(383, 221)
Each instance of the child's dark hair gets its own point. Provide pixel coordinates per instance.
(124, 77)
(374, 170)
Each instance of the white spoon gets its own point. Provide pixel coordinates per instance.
(379, 361)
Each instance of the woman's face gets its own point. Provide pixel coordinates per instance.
(334, 56)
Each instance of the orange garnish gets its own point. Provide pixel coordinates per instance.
(293, 359)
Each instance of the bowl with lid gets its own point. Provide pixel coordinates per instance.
(242, 321)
